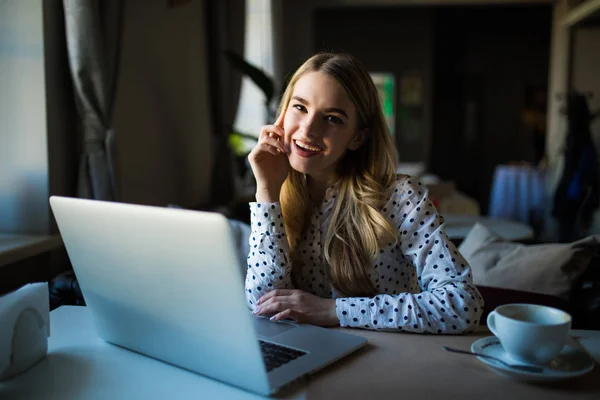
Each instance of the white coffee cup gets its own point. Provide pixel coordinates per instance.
(530, 333)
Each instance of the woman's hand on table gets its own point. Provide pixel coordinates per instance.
(298, 305)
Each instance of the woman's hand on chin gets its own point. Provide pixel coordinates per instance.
(298, 305)
(269, 161)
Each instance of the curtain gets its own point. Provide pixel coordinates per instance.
(93, 35)
(225, 31)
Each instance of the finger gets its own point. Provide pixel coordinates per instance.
(274, 143)
(260, 149)
(287, 314)
(284, 143)
(279, 123)
(277, 133)
(280, 119)
(274, 293)
(273, 306)
(268, 130)
(270, 149)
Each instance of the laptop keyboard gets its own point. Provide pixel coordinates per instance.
(275, 355)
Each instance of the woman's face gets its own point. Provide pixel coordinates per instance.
(320, 125)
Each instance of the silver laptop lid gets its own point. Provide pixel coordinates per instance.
(165, 283)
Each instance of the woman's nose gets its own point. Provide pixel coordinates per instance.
(308, 126)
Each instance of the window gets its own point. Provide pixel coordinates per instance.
(23, 144)
(258, 50)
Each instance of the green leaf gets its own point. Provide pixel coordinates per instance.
(262, 80)
(238, 142)
(244, 135)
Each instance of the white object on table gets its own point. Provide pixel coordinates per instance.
(24, 329)
(458, 226)
(516, 190)
(80, 365)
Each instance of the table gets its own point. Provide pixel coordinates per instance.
(29, 258)
(458, 226)
(81, 366)
(516, 191)
(413, 366)
(15, 247)
(393, 365)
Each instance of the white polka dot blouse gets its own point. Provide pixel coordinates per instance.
(424, 283)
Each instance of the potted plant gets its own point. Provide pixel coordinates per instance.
(266, 84)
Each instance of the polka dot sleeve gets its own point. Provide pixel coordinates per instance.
(269, 264)
(441, 297)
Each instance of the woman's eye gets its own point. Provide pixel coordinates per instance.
(300, 107)
(334, 119)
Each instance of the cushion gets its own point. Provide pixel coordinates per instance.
(544, 268)
(479, 236)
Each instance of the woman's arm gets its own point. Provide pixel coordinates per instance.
(443, 299)
(269, 264)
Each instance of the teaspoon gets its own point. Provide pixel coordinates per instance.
(525, 368)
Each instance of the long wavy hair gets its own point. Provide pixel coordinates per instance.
(357, 229)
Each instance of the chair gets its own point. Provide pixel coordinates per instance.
(495, 297)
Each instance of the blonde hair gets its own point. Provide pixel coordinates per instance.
(357, 228)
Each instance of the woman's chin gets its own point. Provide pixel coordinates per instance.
(302, 166)
(303, 169)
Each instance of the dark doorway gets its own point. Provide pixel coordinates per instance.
(486, 62)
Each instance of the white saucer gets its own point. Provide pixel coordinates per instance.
(570, 363)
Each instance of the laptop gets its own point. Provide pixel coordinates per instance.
(167, 283)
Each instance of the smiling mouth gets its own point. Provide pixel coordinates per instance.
(307, 146)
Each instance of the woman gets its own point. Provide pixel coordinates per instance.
(337, 237)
